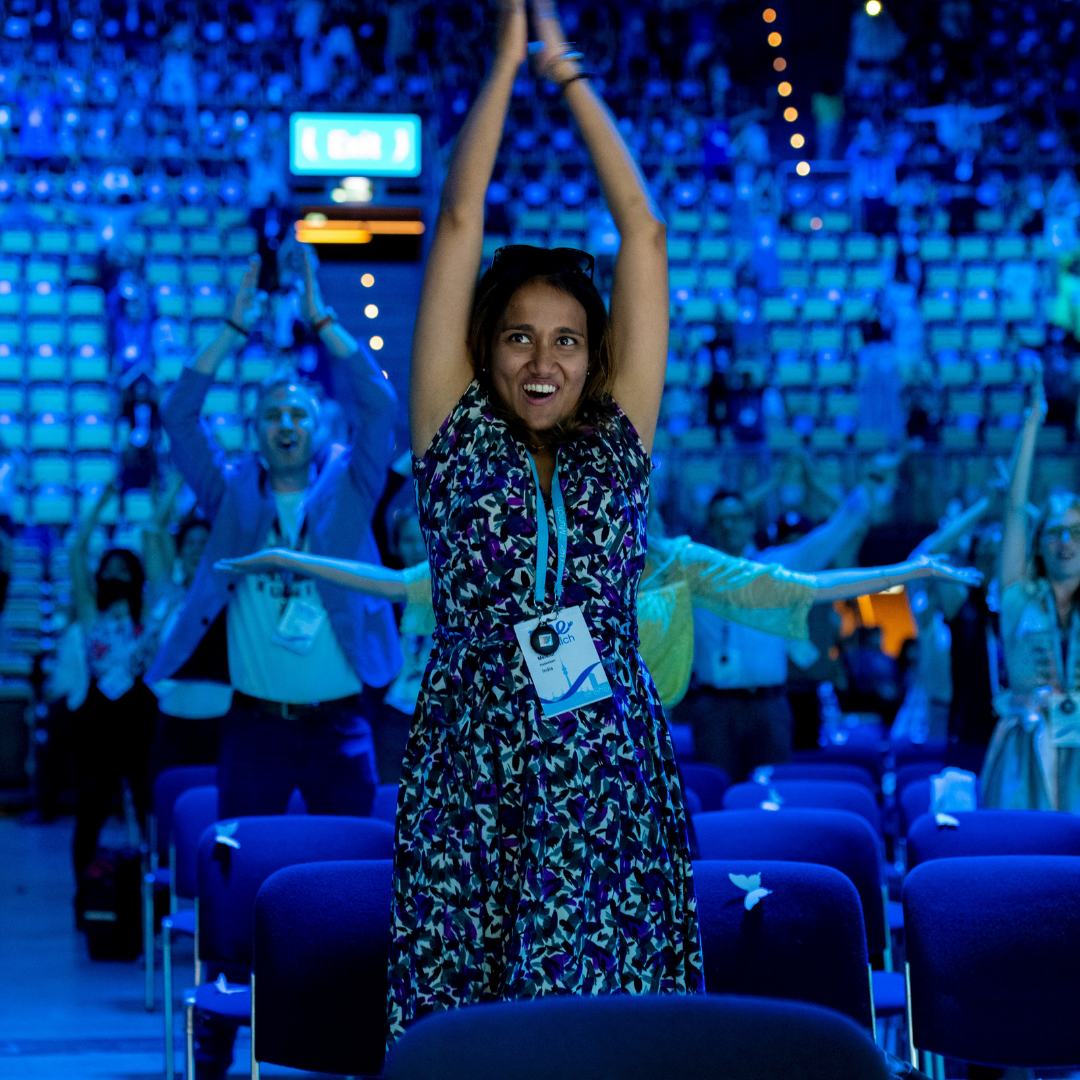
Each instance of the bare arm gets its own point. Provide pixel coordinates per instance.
(83, 597)
(368, 578)
(441, 367)
(818, 548)
(639, 295)
(158, 547)
(847, 584)
(1014, 540)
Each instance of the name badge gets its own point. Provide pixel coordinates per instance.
(1065, 722)
(298, 626)
(572, 676)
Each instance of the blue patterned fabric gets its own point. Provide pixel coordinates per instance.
(535, 855)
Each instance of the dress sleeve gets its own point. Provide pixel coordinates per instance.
(764, 597)
(419, 616)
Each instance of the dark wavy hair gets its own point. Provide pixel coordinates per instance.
(493, 294)
(108, 589)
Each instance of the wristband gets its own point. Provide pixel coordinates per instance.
(573, 78)
(238, 328)
(322, 323)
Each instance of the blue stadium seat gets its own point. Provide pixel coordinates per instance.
(993, 832)
(808, 794)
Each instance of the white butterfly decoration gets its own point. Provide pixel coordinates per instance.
(774, 801)
(763, 774)
(222, 986)
(946, 820)
(224, 833)
(751, 885)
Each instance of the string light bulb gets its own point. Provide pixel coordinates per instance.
(791, 114)
(779, 64)
(769, 15)
(803, 168)
(798, 141)
(775, 39)
(873, 7)
(784, 89)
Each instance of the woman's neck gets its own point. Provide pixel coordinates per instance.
(544, 457)
(1064, 595)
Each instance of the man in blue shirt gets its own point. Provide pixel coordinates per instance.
(296, 653)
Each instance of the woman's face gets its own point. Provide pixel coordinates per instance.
(1059, 544)
(191, 550)
(541, 354)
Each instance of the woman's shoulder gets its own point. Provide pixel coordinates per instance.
(467, 423)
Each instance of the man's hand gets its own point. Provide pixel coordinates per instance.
(250, 299)
(312, 308)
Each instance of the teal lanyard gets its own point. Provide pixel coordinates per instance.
(559, 507)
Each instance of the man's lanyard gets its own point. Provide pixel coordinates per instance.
(287, 576)
(559, 508)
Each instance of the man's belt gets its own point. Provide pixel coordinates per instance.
(289, 711)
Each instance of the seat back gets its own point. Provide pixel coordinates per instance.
(807, 794)
(708, 782)
(836, 838)
(194, 810)
(385, 805)
(906, 752)
(916, 770)
(994, 832)
(816, 770)
(636, 1037)
(914, 802)
(169, 785)
(321, 949)
(804, 941)
(853, 753)
(993, 947)
(230, 877)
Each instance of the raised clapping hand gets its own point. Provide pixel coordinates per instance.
(250, 299)
(548, 59)
(256, 563)
(938, 568)
(312, 308)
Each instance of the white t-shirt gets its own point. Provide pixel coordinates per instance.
(258, 665)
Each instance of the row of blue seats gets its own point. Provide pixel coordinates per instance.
(781, 901)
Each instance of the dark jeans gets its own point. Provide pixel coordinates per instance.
(391, 730)
(326, 752)
(738, 729)
(112, 744)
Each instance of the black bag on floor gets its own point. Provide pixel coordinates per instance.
(112, 905)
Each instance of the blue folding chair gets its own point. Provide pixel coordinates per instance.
(915, 801)
(385, 805)
(808, 795)
(234, 860)
(637, 1037)
(319, 974)
(994, 832)
(916, 770)
(993, 951)
(194, 810)
(804, 941)
(815, 770)
(708, 782)
(836, 838)
(169, 785)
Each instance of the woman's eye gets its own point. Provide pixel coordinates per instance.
(568, 341)
(518, 339)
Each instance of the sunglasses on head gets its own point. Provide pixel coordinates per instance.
(564, 258)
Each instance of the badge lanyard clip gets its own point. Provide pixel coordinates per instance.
(544, 639)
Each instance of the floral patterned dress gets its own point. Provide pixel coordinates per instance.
(535, 855)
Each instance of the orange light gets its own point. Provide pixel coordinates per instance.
(779, 64)
(775, 39)
(337, 236)
(322, 231)
(769, 15)
(791, 114)
(798, 141)
(784, 89)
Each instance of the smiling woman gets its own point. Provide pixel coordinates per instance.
(532, 415)
(1033, 761)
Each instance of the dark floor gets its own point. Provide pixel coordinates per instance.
(61, 1014)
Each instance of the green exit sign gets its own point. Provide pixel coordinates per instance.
(347, 144)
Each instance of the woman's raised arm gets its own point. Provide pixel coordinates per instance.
(639, 295)
(441, 365)
(1014, 554)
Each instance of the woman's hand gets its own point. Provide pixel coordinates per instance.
(248, 305)
(512, 33)
(549, 59)
(267, 559)
(938, 568)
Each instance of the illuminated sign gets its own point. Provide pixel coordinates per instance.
(364, 144)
